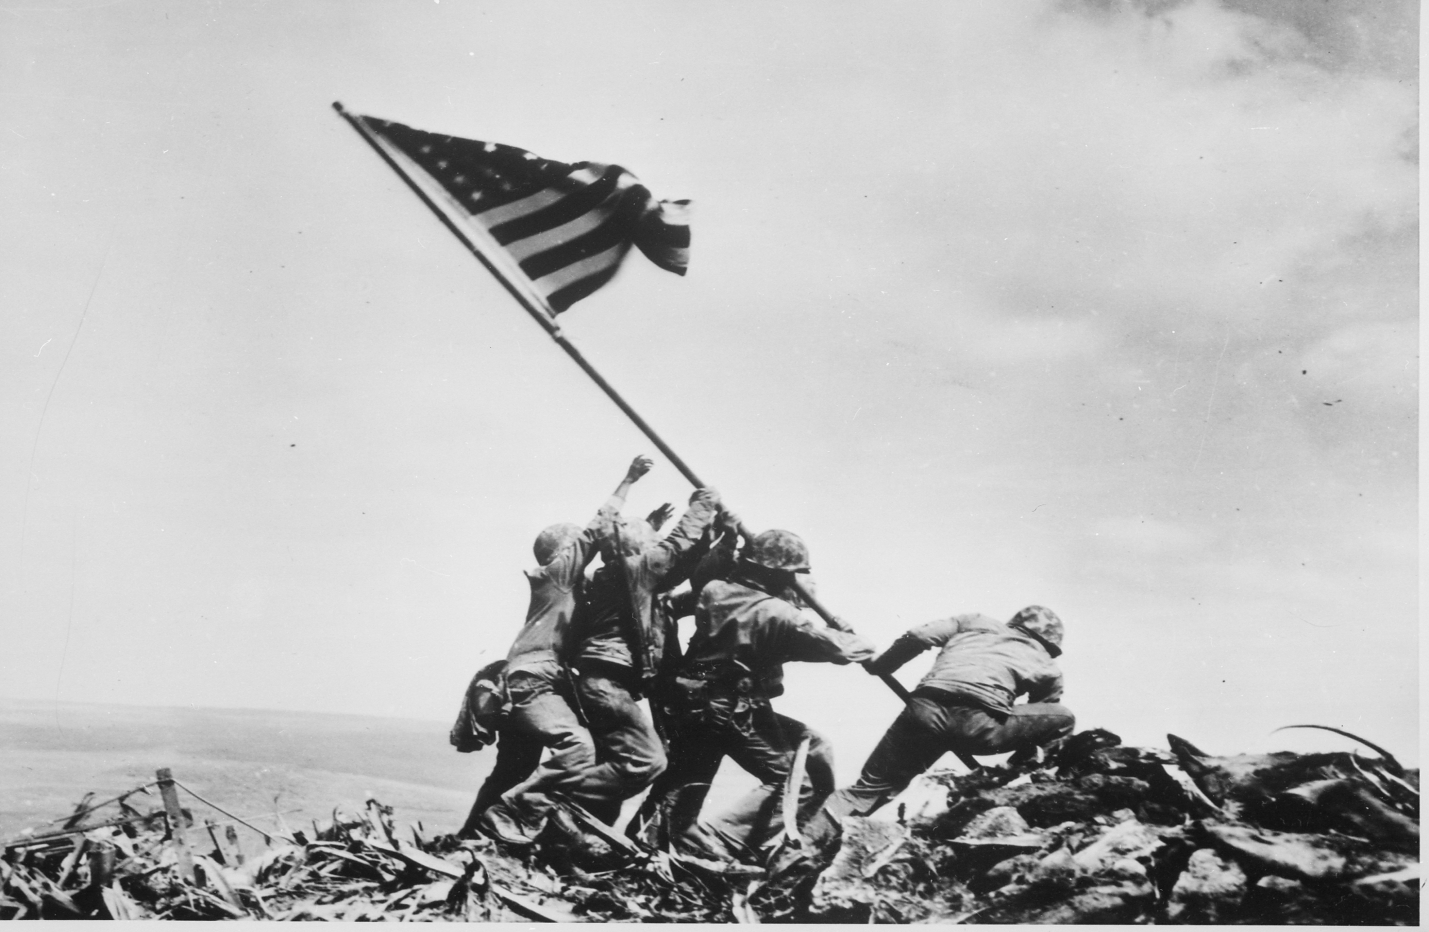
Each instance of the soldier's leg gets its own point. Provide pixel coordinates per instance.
(1025, 727)
(517, 757)
(767, 750)
(912, 744)
(629, 754)
(541, 714)
(671, 811)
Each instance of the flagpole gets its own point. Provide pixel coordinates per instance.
(548, 323)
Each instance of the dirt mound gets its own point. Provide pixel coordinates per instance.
(1095, 833)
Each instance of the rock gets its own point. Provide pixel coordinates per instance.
(1406, 878)
(951, 823)
(1076, 750)
(1127, 840)
(1116, 903)
(1020, 869)
(1048, 804)
(997, 822)
(923, 801)
(1056, 871)
(845, 887)
(1252, 786)
(1348, 806)
(1290, 854)
(1210, 890)
(1115, 792)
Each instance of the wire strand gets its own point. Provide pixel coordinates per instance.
(291, 841)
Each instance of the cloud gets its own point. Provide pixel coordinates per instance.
(1145, 535)
(1145, 168)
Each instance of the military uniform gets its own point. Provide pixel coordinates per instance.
(619, 639)
(541, 717)
(964, 704)
(731, 670)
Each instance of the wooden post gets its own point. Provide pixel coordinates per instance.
(170, 796)
(231, 834)
(101, 864)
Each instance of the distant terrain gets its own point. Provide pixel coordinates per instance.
(249, 762)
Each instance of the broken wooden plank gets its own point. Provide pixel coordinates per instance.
(170, 796)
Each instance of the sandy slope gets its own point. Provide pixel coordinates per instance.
(248, 762)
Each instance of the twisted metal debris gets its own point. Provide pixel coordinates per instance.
(1096, 833)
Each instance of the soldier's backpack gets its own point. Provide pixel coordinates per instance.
(484, 708)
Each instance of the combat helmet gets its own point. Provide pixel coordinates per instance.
(1042, 624)
(781, 550)
(553, 540)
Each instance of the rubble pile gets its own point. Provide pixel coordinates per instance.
(352, 867)
(1110, 834)
(1095, 832)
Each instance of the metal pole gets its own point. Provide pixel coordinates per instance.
(548, 323)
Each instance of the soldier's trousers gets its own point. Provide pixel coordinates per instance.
(629, 755)
(517, 756)
(540, 718)
(927, 728)
(761, 741)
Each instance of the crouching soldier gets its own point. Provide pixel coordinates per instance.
(541, 716)
(619, 637)
(746, 628)
(964, 704)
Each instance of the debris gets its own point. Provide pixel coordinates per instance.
(1094, 832)
(1208, 891)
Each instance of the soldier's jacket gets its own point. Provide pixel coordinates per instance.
(603, 621)
(743, 637)
(982, 660)
(555, 588)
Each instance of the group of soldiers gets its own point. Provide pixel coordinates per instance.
(592, 647)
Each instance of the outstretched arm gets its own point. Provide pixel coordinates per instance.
(910, 645)
(638, 467)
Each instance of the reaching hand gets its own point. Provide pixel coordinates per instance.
(657, 518)
(708, 493)
(638, 467)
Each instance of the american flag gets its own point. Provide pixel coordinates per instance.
(566, 228)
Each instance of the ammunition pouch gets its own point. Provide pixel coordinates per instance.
(720, 695)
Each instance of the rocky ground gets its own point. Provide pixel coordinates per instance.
(1096, 833)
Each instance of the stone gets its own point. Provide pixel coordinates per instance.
(1129, 839)
(846, 887)
(1210, 890)
(1290, 854)
(924, 800)
(998, 822)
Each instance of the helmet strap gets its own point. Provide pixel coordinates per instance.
(756, 575)
(1047, 645)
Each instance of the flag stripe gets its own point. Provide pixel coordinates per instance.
(548, 239)
(555, 232)
(608, 259)
(505, 212)
(574, 204)
(611, 231)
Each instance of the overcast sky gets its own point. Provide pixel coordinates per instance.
(1107, 306)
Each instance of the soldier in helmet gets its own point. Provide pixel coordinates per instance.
(964, 704)
(619, 639)
(746, 628)
(541, 716)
